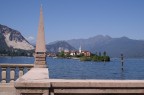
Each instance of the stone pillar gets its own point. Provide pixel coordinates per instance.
(3, 75)
(40, 51)
(12, 74)
(21, 72)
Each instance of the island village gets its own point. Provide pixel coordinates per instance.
(83, 55)
(71, 52)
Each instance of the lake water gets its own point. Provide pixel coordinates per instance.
(75, 69)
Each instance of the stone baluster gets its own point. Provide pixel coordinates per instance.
(12, 74)
(52, 93)
(21, 72)
(3, 75)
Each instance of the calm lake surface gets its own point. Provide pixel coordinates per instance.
(75, 69)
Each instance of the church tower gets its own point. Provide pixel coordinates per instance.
(80, 49)
(40, 51)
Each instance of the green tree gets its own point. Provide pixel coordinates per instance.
(104, 53)
(95, 58)
(99, 53)
(61, 54)
(84, 58)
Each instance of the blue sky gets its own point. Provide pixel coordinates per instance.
(72, 19)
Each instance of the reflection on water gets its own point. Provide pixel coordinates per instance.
(122, 74)
(75, 69)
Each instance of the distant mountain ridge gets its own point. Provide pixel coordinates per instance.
(11, 39)
(89, 43)
(113, 46)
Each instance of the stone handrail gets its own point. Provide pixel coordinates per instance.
(37, 82)
(12, 71)
(16, 65)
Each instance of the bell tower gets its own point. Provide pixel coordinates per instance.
(80, 49)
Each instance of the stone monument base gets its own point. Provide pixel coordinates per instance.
(40, 61)
(40, 66)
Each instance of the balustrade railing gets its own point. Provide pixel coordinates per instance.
(13, 71)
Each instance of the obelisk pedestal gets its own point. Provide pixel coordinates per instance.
(40, 60)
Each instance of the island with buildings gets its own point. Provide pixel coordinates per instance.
(82, 55)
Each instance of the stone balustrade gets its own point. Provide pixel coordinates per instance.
(13, 70)
(37, 82)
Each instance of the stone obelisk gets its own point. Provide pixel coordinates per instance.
(40, 51)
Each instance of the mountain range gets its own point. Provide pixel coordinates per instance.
(11, 39)
(113, 46)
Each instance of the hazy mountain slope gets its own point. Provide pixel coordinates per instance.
(13, 39)
(54, 47)
(90, 43)
(129, 47)
(113, 46)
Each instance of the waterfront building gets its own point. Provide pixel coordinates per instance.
(77, 52)
(73, 53)
(84, 52)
